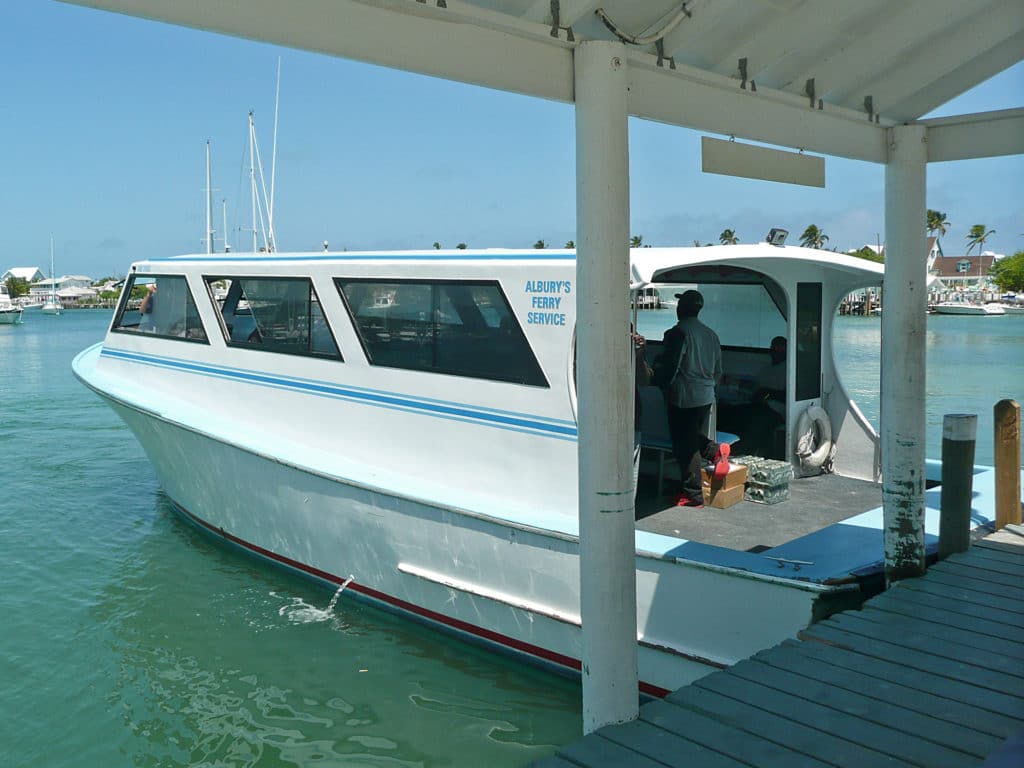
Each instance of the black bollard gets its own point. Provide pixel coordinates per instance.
(958, 434)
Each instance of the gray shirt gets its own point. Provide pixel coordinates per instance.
(700, 366)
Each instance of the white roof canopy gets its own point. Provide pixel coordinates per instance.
(821, 75)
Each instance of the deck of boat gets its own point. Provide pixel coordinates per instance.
(927, 674)
(814, 503)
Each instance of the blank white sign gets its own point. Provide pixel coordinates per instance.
(730, 158)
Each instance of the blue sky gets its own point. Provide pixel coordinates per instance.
(105, 119)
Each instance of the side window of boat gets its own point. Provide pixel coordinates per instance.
(161, 305)
(458, 328)
(274, 314)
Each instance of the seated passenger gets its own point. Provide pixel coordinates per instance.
(768, 404)
(146, 310)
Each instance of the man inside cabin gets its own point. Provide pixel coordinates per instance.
(769, 403)
(688, 371)
(146, 309)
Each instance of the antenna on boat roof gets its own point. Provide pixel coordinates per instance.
(224, 208)
(209, 202)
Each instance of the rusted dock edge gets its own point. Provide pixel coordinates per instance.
(929, 673)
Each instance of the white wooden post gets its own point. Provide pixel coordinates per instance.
(605, 387)
(903, 353)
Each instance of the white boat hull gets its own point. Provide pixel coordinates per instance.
(10, 316)
(965, 308)
(490, 581)
(450, 493)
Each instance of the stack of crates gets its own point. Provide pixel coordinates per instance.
(767, 479)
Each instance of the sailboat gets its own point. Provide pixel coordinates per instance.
(52, 306)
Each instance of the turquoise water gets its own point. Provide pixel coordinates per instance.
(127, 637)
(972, 363)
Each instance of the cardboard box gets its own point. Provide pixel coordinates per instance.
(737, 477)
(722, 498)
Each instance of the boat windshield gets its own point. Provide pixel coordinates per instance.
(744, 315)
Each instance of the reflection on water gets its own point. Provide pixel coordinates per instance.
(236, 665)
(131, 638)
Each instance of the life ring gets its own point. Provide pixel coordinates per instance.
(814, 448)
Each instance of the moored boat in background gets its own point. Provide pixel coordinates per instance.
(10, 314)
(52, 306)
(966, 308)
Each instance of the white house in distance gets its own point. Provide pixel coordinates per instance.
(70, 289)
(28, 274)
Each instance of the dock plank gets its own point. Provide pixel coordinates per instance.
(837, 722)
(999, 541)
(973, 571)
(596, 751)
(553, 761)
(884, 712)
(966, 581)
(988, 553)
(748, 748)
(982, 710)
(979, 651)
(666, 747)
(959, 592)
(801, 738)
(903, 613)
(930, 673)
(943, 666)
(948, 604)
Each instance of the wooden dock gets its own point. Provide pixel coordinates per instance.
(929, 673)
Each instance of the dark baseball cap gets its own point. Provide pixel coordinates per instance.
(691, 298)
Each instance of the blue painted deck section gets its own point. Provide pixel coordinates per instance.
(930, 673)
(851, 546)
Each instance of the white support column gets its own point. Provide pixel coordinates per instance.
(903, 352)
(605, 387)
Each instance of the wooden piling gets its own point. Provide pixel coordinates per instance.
(958, 435)
(1008, 462)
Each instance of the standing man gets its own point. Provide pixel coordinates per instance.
(688, 371)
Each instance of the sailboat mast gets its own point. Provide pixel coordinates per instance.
(252, 178)
(53, 280)
(209, 203)
(224, 208)
(273, 163)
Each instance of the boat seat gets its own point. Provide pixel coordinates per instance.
(654, 434)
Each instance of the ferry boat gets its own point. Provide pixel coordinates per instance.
(405, 424)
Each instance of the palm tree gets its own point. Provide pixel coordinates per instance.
(461, 246)
(437, 246)
(540, 244)
(936, 223)
(813, 237)
(977, 237)
(728, 237)
(570, 244)
(636, 241)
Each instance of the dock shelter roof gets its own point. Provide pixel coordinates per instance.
(825, 76)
